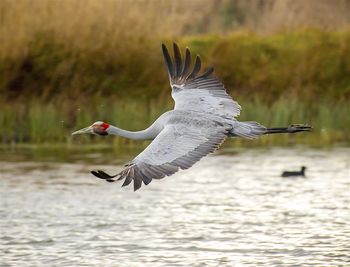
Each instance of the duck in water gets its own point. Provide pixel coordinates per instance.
(296, 173)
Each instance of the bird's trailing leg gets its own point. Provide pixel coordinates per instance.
(293, 128)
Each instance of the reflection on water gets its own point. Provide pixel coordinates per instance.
(225, 211)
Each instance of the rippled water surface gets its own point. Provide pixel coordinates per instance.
(228, 210)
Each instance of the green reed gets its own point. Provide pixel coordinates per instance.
(55, 87)
(53, 123)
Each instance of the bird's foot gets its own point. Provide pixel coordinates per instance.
(294, 128)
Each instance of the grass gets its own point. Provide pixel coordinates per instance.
(75, 62)
(53, 123)
(308, 64)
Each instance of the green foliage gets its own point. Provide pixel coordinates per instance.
(55, 88)
(310, 65)
(53, 123)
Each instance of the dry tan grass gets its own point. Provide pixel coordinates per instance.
(92, 24)
(116, 25)
(280, 15)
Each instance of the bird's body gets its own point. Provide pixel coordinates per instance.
(294, 173)
(204, 115)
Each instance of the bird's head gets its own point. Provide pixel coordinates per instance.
(98, 127)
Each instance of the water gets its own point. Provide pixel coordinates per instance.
(228, 210)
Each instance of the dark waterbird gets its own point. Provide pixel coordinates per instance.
(203, 117)
(294, 173)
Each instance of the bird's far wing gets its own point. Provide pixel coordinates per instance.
(176, 147)
(197, 92)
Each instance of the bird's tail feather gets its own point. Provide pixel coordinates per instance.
(248, 129)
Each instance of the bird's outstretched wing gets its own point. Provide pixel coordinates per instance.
(194, 91)
(176, 147)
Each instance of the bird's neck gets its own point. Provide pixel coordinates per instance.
(148, 133)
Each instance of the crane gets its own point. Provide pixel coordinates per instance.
(204, 115)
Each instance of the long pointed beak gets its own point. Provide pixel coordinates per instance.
(84, 131)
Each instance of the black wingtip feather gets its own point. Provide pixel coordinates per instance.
(187, 63)
(146, 180)
(196, 68)
(105, 175)
(102, 175)
(168, 61)
(96, 174)
(177, 60)
(128, 178)
(179, 68)
(137, 183)
(127, 181)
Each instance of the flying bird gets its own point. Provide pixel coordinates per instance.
(204, 115)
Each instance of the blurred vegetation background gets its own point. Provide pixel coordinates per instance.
(67, 63)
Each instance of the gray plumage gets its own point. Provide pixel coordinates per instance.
(202, 118)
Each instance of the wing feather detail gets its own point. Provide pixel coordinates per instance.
(187, 64)
(176, 147)
(196, 68)
(168, 61)
(177, 61)
(194, 91)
